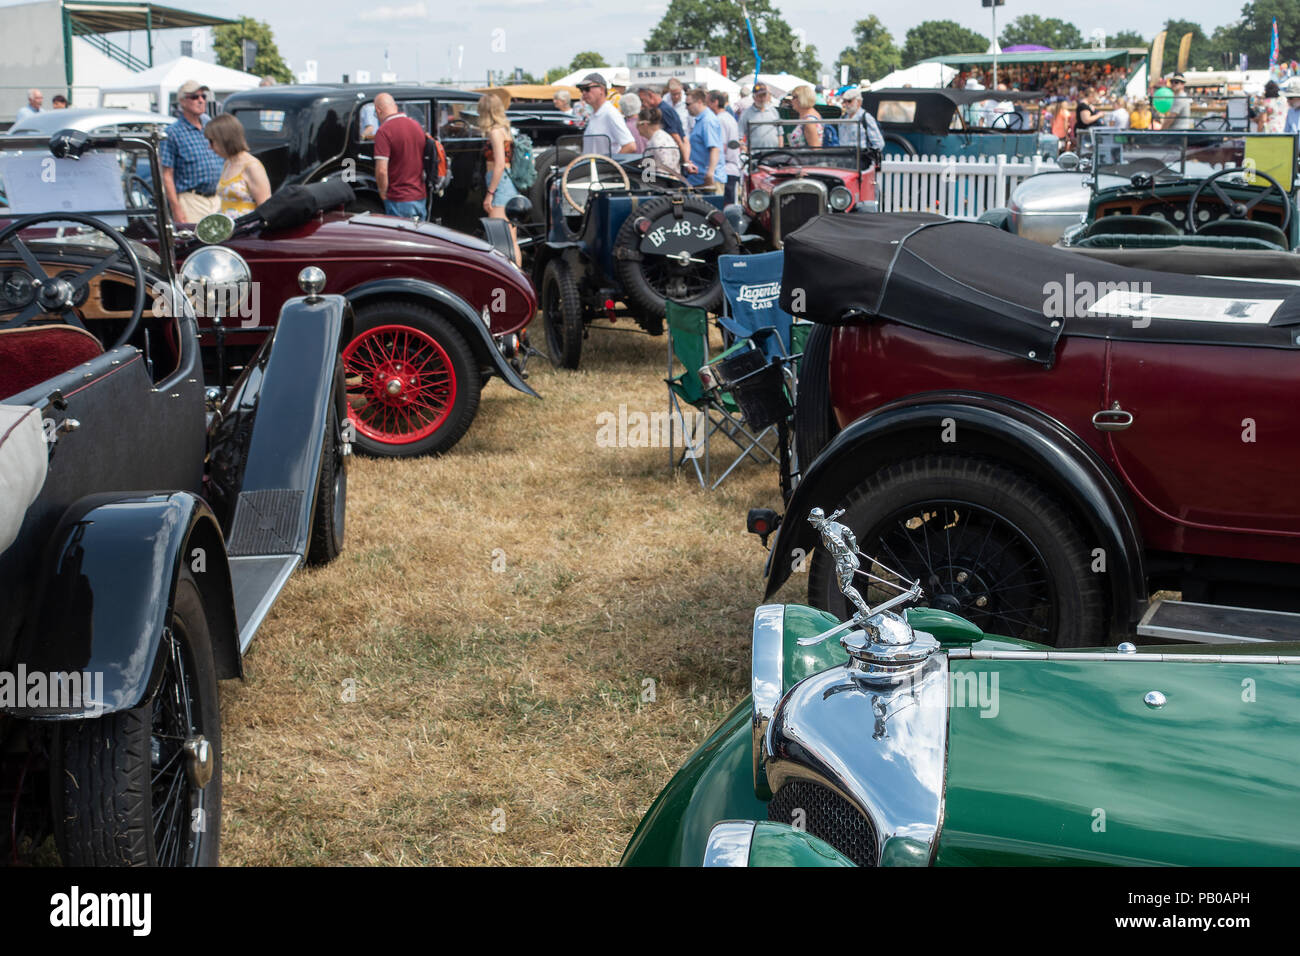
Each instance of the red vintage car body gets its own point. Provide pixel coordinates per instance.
(861, 185)
(1198, 487)
(354, 249)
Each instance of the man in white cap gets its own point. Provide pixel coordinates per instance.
(190, 167)
(865, 132)
(606, 132)
(1291, 90)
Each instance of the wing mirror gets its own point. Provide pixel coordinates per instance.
(215, 228)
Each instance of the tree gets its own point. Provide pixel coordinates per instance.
(718, 26)
(226, 42)
(1049, 32)
(1254, 31)
(586, 61)
(1123, 38)
(555, 72)
(873, 53)
(938, 37)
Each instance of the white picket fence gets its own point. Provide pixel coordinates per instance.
(962, 187)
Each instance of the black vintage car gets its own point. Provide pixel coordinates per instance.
(148, 520)
(307, 134)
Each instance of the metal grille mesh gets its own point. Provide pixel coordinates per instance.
(827, 816)
(796, 208)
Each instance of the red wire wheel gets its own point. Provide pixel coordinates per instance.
(401, 384)
(413, 382)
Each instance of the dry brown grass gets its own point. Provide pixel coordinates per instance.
(519, 690)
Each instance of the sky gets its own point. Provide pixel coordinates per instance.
(433, 39)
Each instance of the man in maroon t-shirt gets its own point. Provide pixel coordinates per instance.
(399, 160)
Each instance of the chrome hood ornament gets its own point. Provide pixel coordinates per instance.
(883, 646)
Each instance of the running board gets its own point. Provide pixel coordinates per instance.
(257, 581)
(1217, 624)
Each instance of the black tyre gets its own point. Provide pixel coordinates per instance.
(902, 145)
(649, 280)
(125, 787)
(814, 422)
(329, 513)
(413, 383)
(986, 543)
(562, 315)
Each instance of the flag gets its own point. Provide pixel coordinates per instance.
(1272, 48)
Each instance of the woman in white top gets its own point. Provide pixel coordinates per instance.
(659, 147)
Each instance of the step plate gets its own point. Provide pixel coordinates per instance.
(257, 582)
(1217, 624)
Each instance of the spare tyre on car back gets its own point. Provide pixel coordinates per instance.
(668, 249)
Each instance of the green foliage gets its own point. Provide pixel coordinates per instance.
(587, 60)
(1129, 38)
(1251, 35)
(718, 27)
(555, 72)
(226, 41)
(1049, 32)
(873, 53)
(938, 37)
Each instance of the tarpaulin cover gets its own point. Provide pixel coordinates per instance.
(294, 205)
(972, 282)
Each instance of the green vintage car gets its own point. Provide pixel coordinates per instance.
(915, 739)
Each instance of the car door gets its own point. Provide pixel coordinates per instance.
(1209, 437)
(461, 206)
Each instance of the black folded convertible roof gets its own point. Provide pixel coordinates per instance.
(977, 284)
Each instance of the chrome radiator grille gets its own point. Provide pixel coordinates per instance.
(827, 816)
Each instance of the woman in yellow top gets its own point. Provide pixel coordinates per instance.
(1140, 118)
(243, 185)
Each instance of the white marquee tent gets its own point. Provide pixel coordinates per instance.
(155, 88)
(931, 76)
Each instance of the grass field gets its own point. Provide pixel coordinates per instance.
(518, 647)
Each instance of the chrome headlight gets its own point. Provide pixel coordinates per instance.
(841, 199)
(218, 282)
(759, 200)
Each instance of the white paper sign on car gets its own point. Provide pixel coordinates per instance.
(37, 182)
(1187, 308)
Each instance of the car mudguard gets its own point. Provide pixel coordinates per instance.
(459, 312)
(284, 406)
(992, 427)
(107, 591)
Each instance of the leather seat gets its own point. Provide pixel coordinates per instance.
(34, 353)
(1246, 229)
(1132, 225)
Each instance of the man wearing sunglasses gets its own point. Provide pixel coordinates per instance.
(190, 168)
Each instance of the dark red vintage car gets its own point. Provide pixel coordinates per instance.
(437, 312)
(788, 186)
(1046, 439)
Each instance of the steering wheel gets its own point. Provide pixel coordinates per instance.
(54, 295)
(593, 182)
(1212, 122)
(1004, 120)
(793, 159)
(1237, 210)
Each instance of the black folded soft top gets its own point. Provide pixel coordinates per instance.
(972, 282)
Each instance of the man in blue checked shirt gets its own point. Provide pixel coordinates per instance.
(190, 167)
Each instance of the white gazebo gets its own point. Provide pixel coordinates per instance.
(614, 76)
(155, 88)
(781, 83)
(933, 76)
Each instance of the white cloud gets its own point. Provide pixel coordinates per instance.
(410, 11)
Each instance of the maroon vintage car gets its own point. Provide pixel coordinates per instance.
(437, 312)
(788, 186)
(1046, 439)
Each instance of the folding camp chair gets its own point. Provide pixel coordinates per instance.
(729, 391)
(751, 288)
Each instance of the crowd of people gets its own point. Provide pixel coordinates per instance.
(699, 133)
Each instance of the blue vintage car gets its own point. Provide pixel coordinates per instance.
(620, 230)
(938, 123)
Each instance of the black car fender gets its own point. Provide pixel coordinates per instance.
(987, 426)
(456, 310)
(106, 591)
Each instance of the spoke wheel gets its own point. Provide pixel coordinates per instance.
(142, 787)
(986, 544)
(412, 383)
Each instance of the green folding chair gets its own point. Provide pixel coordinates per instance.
(712, 394)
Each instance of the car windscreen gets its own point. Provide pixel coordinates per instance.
(1174, 156)
(113, 185)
